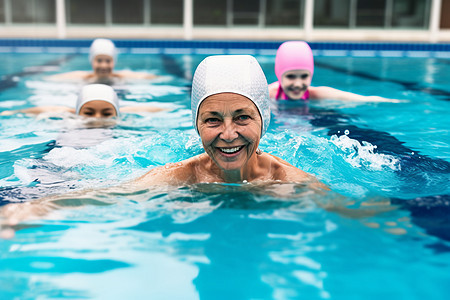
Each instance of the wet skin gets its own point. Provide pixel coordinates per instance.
(295, 83)
(98, 109)
(230, 128)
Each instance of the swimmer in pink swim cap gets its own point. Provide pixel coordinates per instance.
(294, 68)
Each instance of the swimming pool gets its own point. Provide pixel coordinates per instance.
(222, 241)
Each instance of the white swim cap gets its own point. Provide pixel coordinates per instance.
(92, 92)
(239, 74)
(102, 47)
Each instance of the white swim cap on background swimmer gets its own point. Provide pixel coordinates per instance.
(102, 47)
(97, 91)
(293, 55)
(240, 74)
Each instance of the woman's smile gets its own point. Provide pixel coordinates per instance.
(230, 152)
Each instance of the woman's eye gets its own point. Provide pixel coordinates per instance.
(243, 118)
(291, 77)
(305, 76)
(212, 121)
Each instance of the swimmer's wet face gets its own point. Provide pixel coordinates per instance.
(229, 125)
(103, 65)
(295, 83)
(98, 109)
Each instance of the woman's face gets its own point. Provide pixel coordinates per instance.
(230, 128)
(98, 109)
(295, 83)
(103, 65)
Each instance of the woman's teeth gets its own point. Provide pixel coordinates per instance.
(230, 150)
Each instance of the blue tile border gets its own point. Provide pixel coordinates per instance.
(361, 49)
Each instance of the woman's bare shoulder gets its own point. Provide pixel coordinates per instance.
(284, 171)
(179, 173)
(128, 74)
(74, 75)
(40, 110)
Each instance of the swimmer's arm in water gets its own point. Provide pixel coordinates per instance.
(127, 74)
(74, 75)
(39, 110)
(325, 92)
(140, 109)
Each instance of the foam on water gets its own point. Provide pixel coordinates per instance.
(363, 155)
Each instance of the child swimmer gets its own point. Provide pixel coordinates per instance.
(103, 57)
(294, 68)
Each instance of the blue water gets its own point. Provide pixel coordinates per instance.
(383, 230)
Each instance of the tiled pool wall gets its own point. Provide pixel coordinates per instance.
(363, 49)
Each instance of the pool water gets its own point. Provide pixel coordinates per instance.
(383, 230)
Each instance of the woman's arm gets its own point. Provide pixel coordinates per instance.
(127, 74)
(74, 75)
(39, 110)
(325, 92)
(140, 109)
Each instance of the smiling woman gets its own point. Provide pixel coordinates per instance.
(230, 111)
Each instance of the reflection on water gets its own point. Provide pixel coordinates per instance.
(208, 240)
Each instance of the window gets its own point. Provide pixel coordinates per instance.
(284, 12)
(410, 13)
(33, 11)
(86, 11)
(2, 11)
(210, 12)
(168, 12)
(445, 14)
(127, 12)
(332, 13)
(245, 12)
(370, 13)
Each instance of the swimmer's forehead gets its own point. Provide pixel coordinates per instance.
(96, 103)
(104, 56)
(216, 103)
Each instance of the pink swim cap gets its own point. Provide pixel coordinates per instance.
(293, 55)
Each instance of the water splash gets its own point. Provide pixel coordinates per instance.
(363, 154)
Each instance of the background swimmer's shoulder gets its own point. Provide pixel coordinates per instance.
(128, 74)
(39, 110)
(74, 75)
(273, 89)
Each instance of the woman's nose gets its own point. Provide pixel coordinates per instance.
(229, 132)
